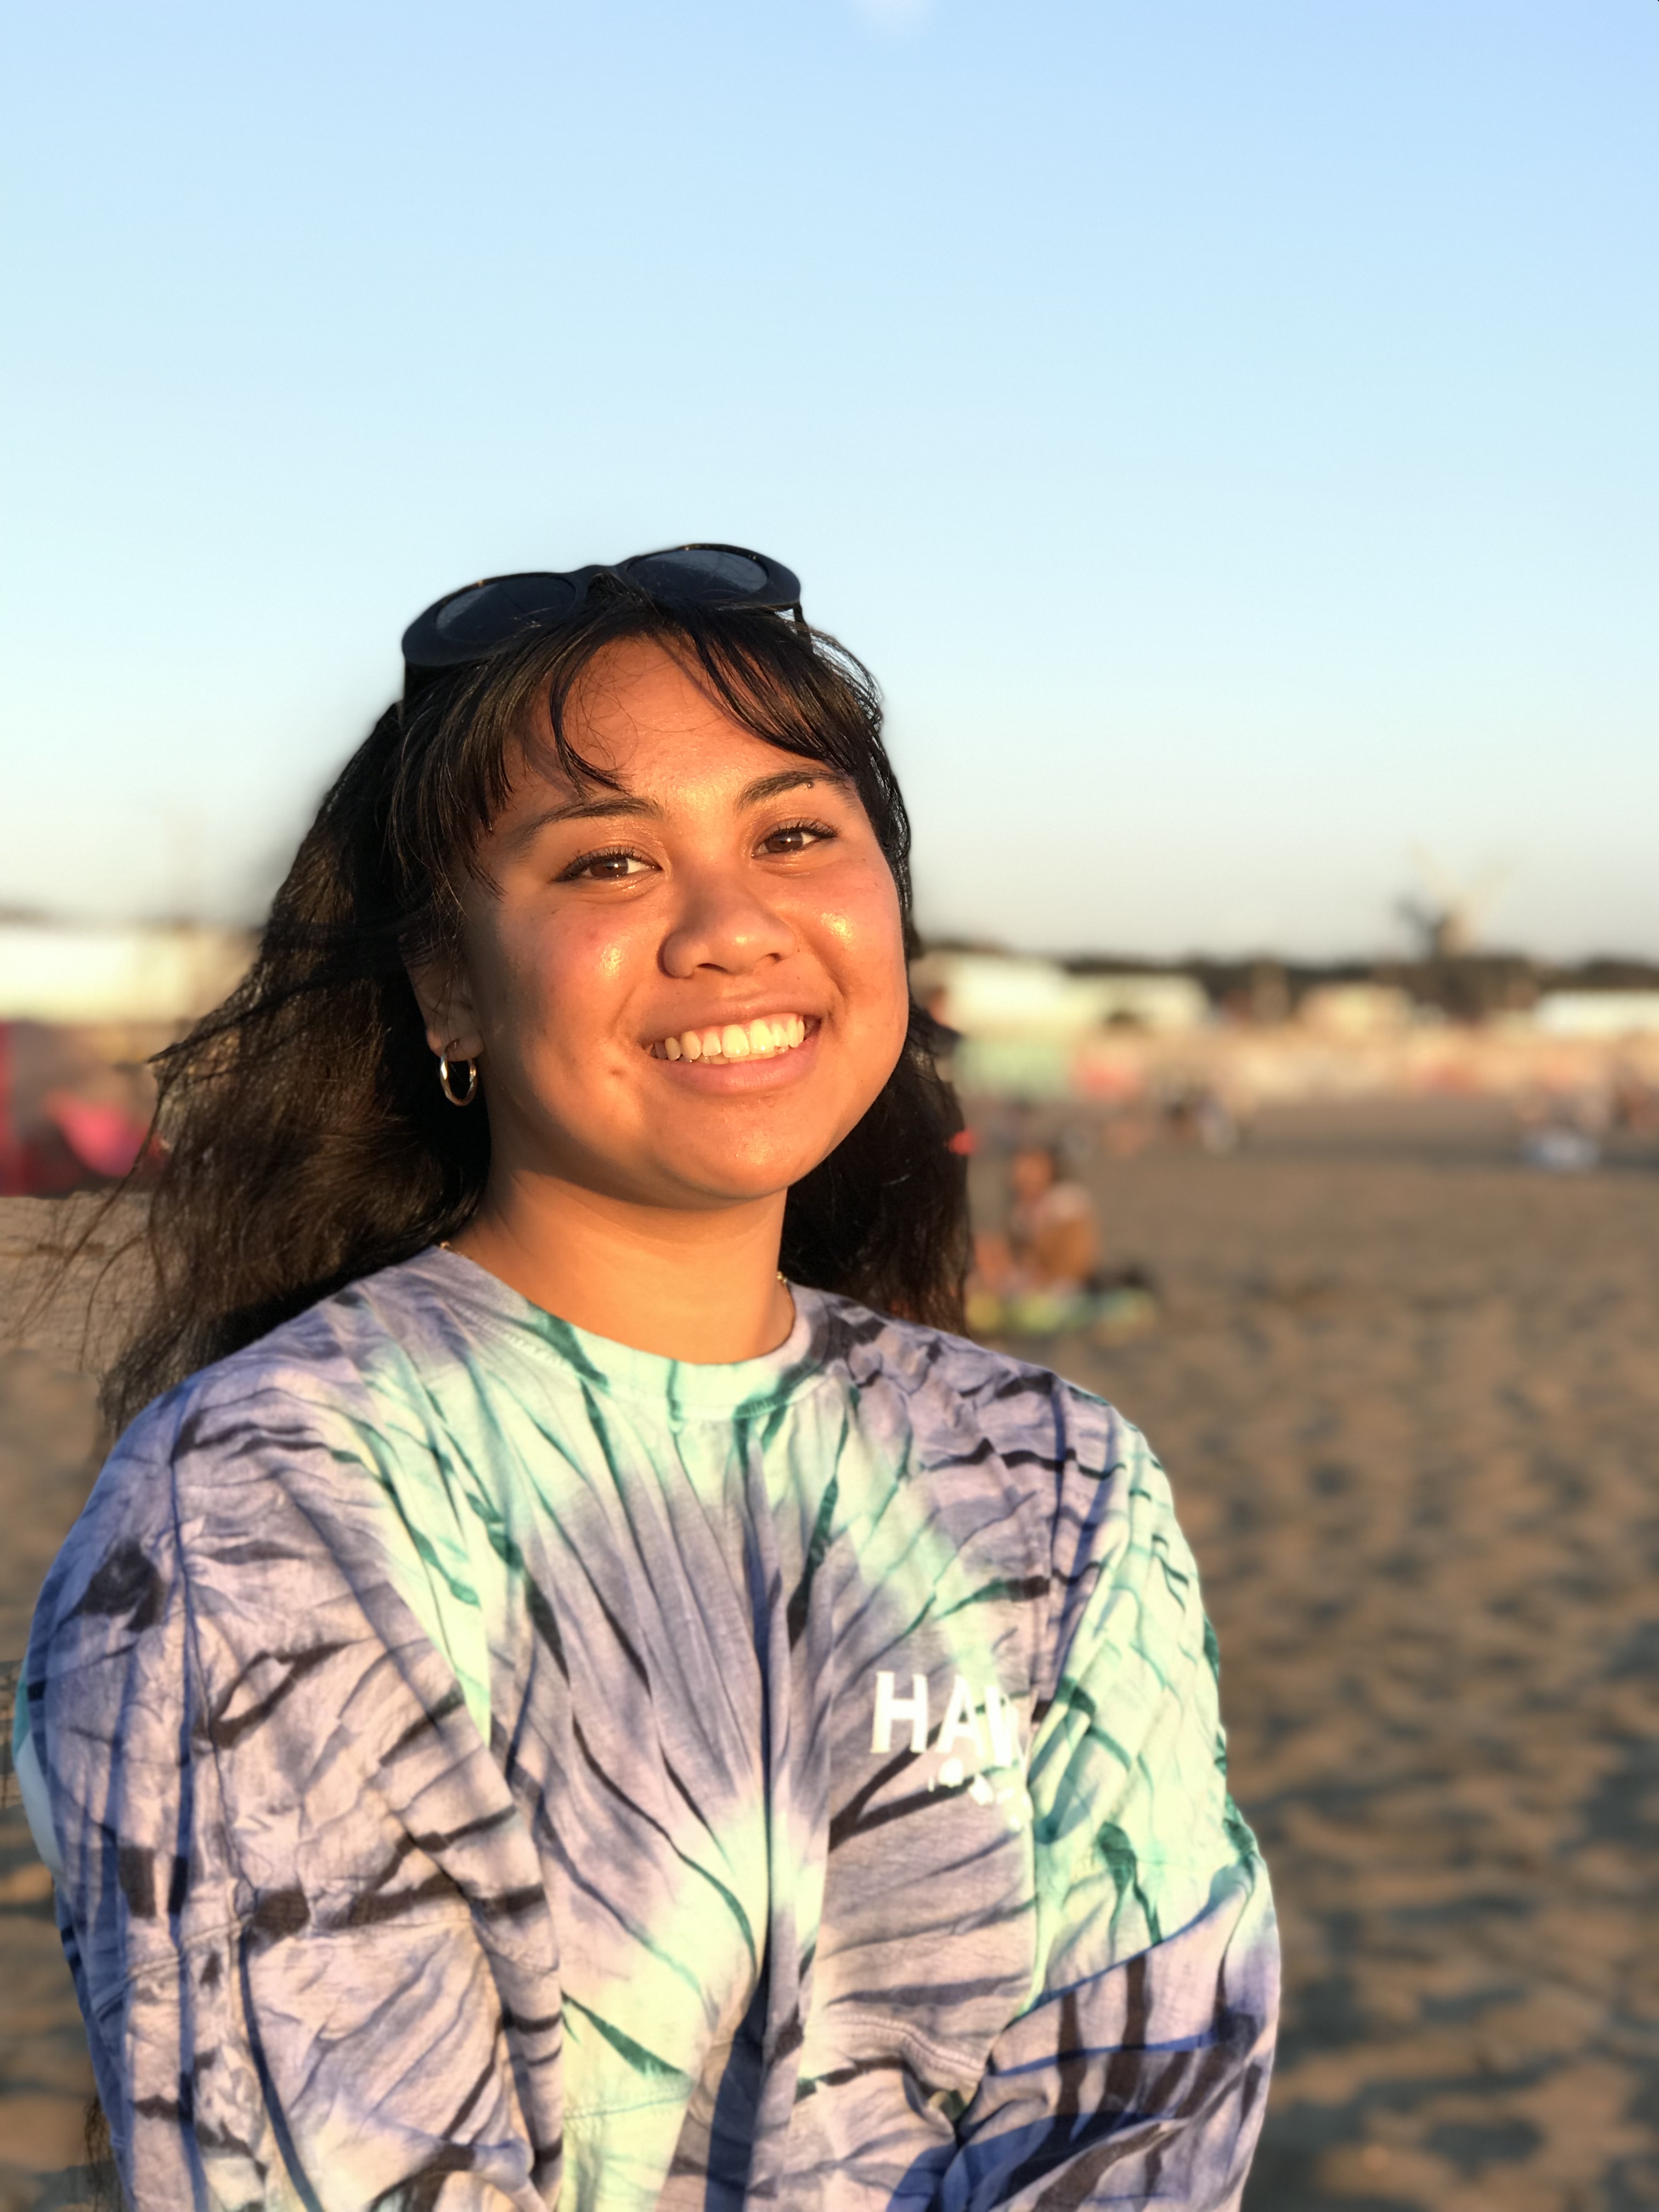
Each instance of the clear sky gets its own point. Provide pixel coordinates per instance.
(1226, 427)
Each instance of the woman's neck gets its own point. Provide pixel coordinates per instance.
(694, 1285)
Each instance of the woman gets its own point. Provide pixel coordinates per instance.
(581, 1690)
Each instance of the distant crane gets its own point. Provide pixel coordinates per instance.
(1447, 921)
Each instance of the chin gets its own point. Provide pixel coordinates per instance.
(737, 1180)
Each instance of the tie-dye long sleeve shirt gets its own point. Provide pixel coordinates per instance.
(493, 1767)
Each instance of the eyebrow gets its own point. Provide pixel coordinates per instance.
(611, 804)
(793, 779)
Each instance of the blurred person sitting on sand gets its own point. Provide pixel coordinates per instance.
(577, 1685)
(1053, 1240)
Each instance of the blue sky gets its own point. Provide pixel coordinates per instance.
(1227, 429)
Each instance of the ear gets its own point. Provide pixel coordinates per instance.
(444, 993)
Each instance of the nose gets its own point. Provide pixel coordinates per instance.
(727, 924)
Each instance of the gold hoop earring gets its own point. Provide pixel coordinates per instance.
(464, 1097)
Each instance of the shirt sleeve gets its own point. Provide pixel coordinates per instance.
(302, 1909)
(1138, 2072)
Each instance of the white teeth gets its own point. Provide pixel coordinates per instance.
(757, 1040)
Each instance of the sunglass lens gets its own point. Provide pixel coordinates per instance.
(491, 613)
(712, 573)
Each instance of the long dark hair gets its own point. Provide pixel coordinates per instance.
(302, 1138)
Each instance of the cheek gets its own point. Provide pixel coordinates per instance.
(868, 937)
(552, 980)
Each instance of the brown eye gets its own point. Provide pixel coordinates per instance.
(795, 836)
(603, 868)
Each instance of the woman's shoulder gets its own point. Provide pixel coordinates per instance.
(915, 1353)
(292, 1422)
(951, 1380)
(327, 1392)
(1081, 1481)
(347, 1348)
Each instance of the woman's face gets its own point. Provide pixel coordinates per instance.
(686, 991)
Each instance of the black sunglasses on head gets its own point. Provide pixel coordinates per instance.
(472, 623)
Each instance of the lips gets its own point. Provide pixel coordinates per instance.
(764, 1038)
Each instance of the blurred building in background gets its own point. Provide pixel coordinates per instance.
(1205, 1046)
(1605, 1014)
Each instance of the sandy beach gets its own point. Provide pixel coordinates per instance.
(1408, 1392)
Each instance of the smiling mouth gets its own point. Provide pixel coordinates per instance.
(765, 1038)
